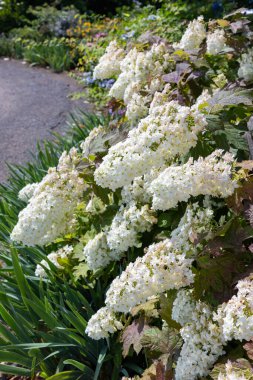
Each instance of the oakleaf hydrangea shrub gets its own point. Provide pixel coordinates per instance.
(155, 205)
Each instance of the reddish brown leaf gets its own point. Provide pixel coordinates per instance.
(248, 347)
(241, 195)
(132, 336)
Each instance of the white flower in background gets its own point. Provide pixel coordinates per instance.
(215, 42)
(102, 323)
(169, 130)
(207, 176)
(97, 253)
(236, 316)
(109, 63)
(193, 36)
(233, 372)
(161, 97)
(128, 223)
(126, 76)
(141, 76)
(27, 192)
(54, 257)
(50, 211)
(246, 66)
(203, 342)
(160, 269)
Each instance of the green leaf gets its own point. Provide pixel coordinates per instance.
(66, 375)
(224, 98)
(165, 341)
(13, 357)
(100, 362)
(166, 303)
(85, 370)
(11, 370)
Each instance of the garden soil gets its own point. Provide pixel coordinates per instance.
(33, 103)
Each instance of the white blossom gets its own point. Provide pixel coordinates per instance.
(49, 212)
(137, 107)
(162, 268)
(97, 253)
(109, 63)
(193, 36)
(126, 76)
(183, 307)
(246, 66)
(233, 372)
(129, 222)
(236, 316)
(203, 343)
(27, 192)
(126, 226)
(207, 176)
(216, 42)
(54, 257)
(141, 76)
(102, 323)
(169, 130)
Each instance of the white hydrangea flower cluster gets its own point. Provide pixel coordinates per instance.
(127, 224)
(49, 212)
(207, 176)
(62, 253)
(169, 130)
(215, 42)
(137, 107)
(109, 63)
(110, 245)
(236, 316)
(27, 192)
(102, 323)
(232, 373)
(97, 254)
(126, 76)
(138, 190)
(203, 342)
(183, 306)
(141, 76)
(246, 66)
(164, 266)
(193, 36)
(196, 221)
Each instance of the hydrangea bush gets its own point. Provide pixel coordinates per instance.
(158, 206)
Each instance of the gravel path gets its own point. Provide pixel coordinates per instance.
(33, 103)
